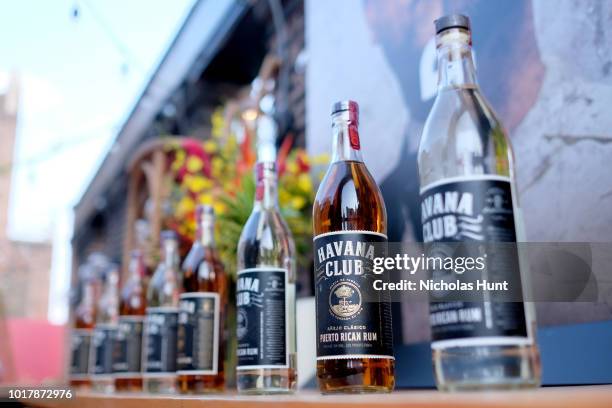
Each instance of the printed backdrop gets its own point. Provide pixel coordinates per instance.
(545, 66)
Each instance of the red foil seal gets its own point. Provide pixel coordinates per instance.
(353, 109)
(259, 176)
(354, 137)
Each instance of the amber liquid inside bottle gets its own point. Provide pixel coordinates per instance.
(349, 199)
(211, 278)
(133, 303)
(84, 319)
(197, 384)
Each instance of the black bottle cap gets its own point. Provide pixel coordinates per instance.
(452, 21)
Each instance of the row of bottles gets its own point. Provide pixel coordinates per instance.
(173, 339)
(168, 336)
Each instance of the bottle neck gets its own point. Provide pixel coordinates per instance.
(346, 143)
(455, 62)
(136, 268)
(88, 294)
(170, 255)
(205, 234)
(266, 194)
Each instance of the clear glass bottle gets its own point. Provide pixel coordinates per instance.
(465, 150)
(127, 365)
(105, 331)
(201, 340)
(349, 208)
(265, 289)
(82, 332)
(161, 320)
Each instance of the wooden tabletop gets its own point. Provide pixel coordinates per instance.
(554, 397)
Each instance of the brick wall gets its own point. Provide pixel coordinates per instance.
(24, 267)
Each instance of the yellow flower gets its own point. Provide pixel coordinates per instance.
(298, 202)
(205, 199)
(196, 184)
(219, 208)
(218, 122)
(304, 183)
(217, 167)
(210, 146)
(179, 160)
(283, 196)
(292, 167)
(186, 205)
(194, 164)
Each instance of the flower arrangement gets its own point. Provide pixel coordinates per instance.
(218, 172)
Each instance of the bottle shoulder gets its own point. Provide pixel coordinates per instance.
(348, 198)
(203, 271)
(463, 136)
(266, 240)
(268, 222)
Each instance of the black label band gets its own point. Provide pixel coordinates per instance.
(262, 326)
(198, 333)
(160, 330)
(80, 351)
(473, 210)
(103, 344)
(128, 346)
(353, 319)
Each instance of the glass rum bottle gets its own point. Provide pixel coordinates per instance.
(349, 213)
(127, 364)
(464, 151)
(105, 332)
(265, 287)
(201, 342)
(81, 334)
(161, 320)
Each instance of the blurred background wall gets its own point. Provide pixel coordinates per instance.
(24, 266)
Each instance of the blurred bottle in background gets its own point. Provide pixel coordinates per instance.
(201, 340)
(107, 315)
(128, 343)
(465, 153)
(265, 288)
(161, 320)
(82, 332)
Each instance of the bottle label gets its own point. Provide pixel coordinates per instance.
(353, 319)
(128, 346)
(160, 328)
(198, 333)
(80, 350)
(473, 209)
(261, 318)
(103, 344)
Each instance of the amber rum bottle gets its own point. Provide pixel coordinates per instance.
(201, 345)
(161, 321)
(84, 321)
(350, 225)
(105, 332)
(128, 342)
